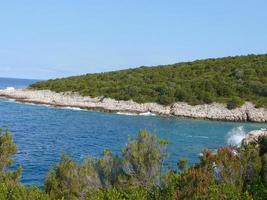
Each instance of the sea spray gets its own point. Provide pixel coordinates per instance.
(235, 136)
(126, 113)
(147, 114)
(9, 89)
(134, 114)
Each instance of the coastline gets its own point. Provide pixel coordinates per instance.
(214, 111)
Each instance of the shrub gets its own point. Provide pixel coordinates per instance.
(230, 173)
(143, 159)
(264, 169)
(182, 163)
(234, 103)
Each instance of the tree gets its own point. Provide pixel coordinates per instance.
(7, 150)
(143, 158)
(10, 187)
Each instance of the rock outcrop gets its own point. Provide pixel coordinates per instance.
(253, 136)
(214, 111)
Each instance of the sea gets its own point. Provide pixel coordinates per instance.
(43, 133)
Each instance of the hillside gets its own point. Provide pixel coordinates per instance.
(230, 80)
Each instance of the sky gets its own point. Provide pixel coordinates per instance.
(50, 39)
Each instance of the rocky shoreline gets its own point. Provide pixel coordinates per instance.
(214, 111)
(253, 137)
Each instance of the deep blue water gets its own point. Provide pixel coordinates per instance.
(43, 133)
(12, 82)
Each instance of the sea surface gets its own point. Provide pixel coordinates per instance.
(43, 133)
(13, 82)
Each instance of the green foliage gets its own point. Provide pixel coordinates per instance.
(70, 180)
(230, 80)
(10, 187)
(143, 159)
(182, 163)
(19, 192)
(234, 102)
(7, 150)
(263, 145)
(229, 173)
(264, 169)
(139, 166)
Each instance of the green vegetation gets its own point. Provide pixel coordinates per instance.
(230, 80)
(10, 187)
(230, 173)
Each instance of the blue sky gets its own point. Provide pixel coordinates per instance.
(48, 39)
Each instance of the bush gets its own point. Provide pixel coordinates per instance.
(264, 169)
(230, 173)
(139, 166)
(143, 159)
(165, 100)
(10, 187)
(234, 103)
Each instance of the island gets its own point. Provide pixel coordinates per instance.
(230, 88)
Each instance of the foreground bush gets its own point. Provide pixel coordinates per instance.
(229, 173)
(139, 167)
(10, 186)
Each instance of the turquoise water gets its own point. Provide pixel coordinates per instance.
(43, 133)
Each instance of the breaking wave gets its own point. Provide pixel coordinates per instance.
(147, 114)
(72, 108)
(135, 114)
(198, 136)
(9, 88)
(235, 136)
(126, 113)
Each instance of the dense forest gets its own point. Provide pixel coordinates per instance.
(237, 173)
(230, 80)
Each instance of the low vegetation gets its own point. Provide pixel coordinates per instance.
(231, 80)
(230, 173)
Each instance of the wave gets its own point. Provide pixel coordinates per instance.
(11, 100)
(6, 88)
(72, 108)
(31, 104)
(198, 136)
(8, 100)
(235, 136)
(126, 113)
(135, 114)
(51, 106)
(9, 88)
(147, 114)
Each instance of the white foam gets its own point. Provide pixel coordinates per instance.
(235, 136)
(72, 108)
(135, 114)
(147, 114)
(126, 113)
(9, 89)
(11, 100)
(198, 136)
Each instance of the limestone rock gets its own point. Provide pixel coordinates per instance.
(253, 136)
(214, 111)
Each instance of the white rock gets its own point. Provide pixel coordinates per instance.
(215, 111)
(253, 136)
